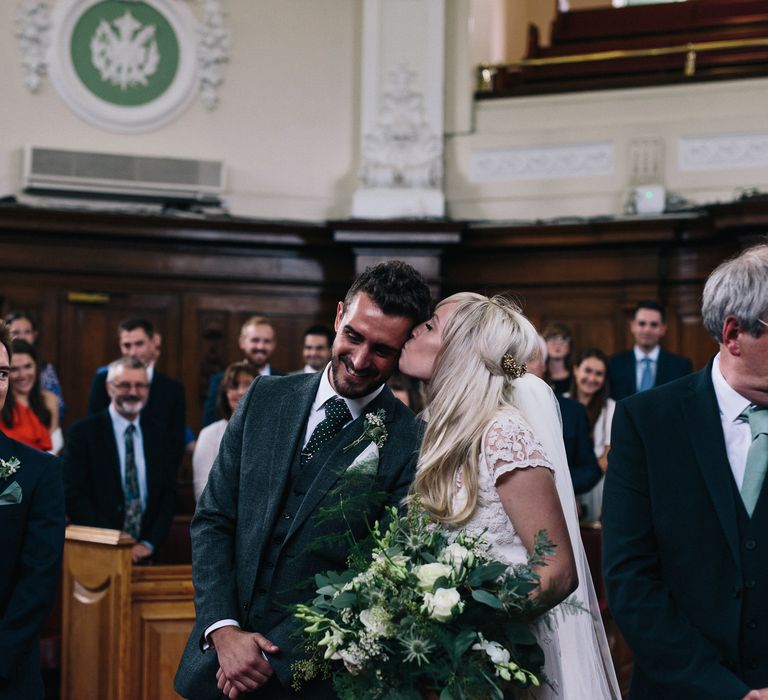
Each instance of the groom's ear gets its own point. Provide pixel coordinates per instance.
(339, 316)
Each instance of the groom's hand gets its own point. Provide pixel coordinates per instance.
(243, 667)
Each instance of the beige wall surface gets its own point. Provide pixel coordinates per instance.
(286, 125)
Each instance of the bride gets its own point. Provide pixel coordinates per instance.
(493, 460)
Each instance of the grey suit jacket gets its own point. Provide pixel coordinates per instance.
(235, 517)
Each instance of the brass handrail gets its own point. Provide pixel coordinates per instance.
(487, 70)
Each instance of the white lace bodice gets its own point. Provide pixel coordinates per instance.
(508, 444)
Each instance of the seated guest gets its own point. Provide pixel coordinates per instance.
(166, 403)
(32, 526)
(590, 388)
(21, 326)
(585, 472)
(316, 349)
(119, 466)
(647, 365)
(257, 341)
(558, 372)
(237, 378)
(30, 414)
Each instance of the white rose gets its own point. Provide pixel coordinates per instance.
(429, 573)
(441, 604)
(457, 556)
(377, 621)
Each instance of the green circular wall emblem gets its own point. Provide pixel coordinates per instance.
(125, 53)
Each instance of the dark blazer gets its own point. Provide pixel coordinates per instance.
(166, 405)
(32, 527)
(622, 371)
(674, 565)
(93, 483)
(237, 516)
(210, 415)
(585, 471)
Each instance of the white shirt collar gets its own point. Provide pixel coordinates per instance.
(150, 372)
(309, 370)
(653, 355)
(325, 391)
(266, 370)
(121, 423)
(730, 401)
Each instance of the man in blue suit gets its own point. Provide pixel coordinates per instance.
(647, 365)
(685, 509)
(32, 527)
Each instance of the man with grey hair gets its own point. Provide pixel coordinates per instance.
(119, 468)
(685, 509)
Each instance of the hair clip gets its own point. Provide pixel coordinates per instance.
(511, 367)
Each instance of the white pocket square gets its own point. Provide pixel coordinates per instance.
(367, 462)
(11, 495)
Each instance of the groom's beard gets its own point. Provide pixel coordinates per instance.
(351, 383)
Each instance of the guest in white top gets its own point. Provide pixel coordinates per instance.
(590, 388)
(237, 378)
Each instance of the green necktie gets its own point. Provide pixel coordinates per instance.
(336, 416)
(132, 519)
(757, 457)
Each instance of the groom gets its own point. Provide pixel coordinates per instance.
(257, 539)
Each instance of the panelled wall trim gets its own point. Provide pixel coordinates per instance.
(198, 280)
(713, 152)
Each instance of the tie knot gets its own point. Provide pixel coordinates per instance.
(646, 361)
(130, 430)
(758, 420)
(337, 411)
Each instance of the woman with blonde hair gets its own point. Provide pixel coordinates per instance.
(493, 461)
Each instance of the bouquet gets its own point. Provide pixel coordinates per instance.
(423, 610)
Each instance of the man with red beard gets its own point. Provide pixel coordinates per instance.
(118, 468)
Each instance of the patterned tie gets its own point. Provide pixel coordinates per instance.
(757, 456)
(336, 416)
(646, 378)
(132, 521)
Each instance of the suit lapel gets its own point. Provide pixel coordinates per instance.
(702, 416)
(153, 473)
(334, 461)
(106, 447)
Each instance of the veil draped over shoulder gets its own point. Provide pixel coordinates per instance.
(587, 669)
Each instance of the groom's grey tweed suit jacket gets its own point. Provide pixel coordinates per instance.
(256, 536)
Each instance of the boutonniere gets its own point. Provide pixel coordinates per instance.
(9, 467)
(373, 430)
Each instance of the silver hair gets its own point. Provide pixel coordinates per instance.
(739, 288)
(125, 363)
(541, 345)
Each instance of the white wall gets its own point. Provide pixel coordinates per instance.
(286, 126)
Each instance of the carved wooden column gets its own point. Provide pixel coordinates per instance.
(401, 152)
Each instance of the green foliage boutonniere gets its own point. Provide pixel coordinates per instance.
(8, 467)
(373, 430)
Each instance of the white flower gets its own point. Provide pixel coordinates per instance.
(497, 653)
(352, 658)
(442, 604)
(429, 573)
(332, 639)
(392, 566)
(457, 556)
(377, 621)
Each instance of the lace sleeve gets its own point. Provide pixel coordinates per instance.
(510, 444)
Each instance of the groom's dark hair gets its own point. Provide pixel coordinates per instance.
(396, 288)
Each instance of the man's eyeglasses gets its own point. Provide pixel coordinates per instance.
(560, 338)
(127, 386)
(763, 322)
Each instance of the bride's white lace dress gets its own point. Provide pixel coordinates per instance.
(509, 443)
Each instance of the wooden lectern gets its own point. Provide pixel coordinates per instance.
(124, 627)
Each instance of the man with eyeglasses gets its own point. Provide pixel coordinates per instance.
(118, 470)
(647, 365)
(685, 508)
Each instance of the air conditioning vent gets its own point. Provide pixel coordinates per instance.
(80, 173)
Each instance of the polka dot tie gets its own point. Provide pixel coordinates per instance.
(336, 416)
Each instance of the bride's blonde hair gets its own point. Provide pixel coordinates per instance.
(467, 389)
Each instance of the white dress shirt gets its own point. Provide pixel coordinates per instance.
(316, 414)
(653, 356)
(737, 433)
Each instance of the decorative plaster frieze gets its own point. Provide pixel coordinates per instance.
(401, 150)
(542, 162)
(212, 52)
(33, 23)
(722, 152)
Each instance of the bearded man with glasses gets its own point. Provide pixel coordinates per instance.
(118, 470)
